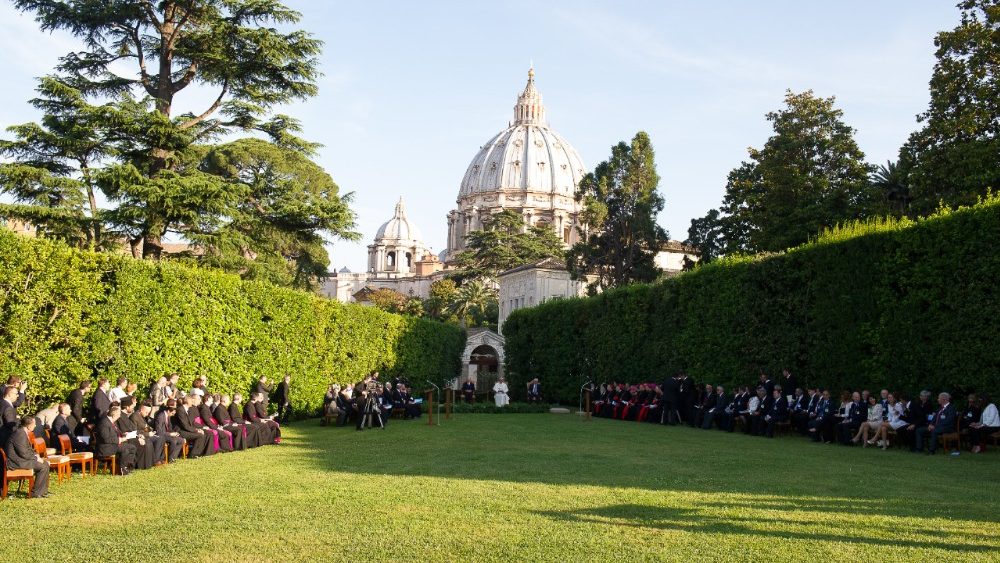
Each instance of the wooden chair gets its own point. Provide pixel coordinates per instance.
(108, 461)
(57, 462)
(994, 439)
(398, 412)
(83, 459)
(11, 475)
(952, 437)
(783, 428)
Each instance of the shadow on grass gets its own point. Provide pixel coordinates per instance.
(783, 475)
(705, 518)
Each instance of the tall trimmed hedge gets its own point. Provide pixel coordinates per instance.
(903, 304)
(67, 315)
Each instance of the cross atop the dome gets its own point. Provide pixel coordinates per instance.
(400, 211)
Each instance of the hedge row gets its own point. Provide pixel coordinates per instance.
(67, 315)
(904, 304)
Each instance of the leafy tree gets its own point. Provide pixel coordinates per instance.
(439, 299)
(472, 301)
(283, 204)
(955, 157)
(809, 176)
(388, 300)
(620, 236)
(504, 243)
(52, 177)
(706, 234)
(414, 307)
(142, 54)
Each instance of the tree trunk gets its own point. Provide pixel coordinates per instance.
(94, 231)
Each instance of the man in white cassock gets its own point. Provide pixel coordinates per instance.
(500, 392)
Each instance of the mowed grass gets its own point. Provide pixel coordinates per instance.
(524, 487)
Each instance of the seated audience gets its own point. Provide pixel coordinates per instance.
(777, 411)
(64, 425)
(854, 415)
(163, 425)
(21, 454)
(943, 421)
(237, 430)
(199, 441)
(109, 441)
(145, 451)
(988, 424)
(871, 425)
(716, 411)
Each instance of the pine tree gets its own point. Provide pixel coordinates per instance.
(620, 236)
(231, 46)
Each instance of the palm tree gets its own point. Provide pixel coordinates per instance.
(473, 297)
(892, 181)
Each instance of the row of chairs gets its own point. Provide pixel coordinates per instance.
(63, 463)
(947, 441)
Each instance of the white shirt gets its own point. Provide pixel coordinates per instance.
(116, 394)
(990, 416)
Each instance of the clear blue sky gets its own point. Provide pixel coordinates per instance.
(412, 89)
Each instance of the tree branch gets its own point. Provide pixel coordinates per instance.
(215, 105)
(146, 81)
(147, 5)
(189, 75)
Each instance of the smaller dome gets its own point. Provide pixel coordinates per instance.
(399, 228)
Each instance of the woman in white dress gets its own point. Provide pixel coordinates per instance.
(500, 392)
(894, 421)
(872, 425)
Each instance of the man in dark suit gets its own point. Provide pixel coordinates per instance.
(145, 452)
(821, 419)
(767, 384)
(65, 425)
(8, 414)
(163, 426)
(76, 400)
(21, 454)
(198, 440)
(856, 414)
(778, 412)
(671, 399)
(109, 441)
(717, 410)
(688, 393)
(943, 422)
(798, 411)
(100, 402)
(789, 383)
(281, 398)
(139, 418)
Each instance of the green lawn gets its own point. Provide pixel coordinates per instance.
(524, 487)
